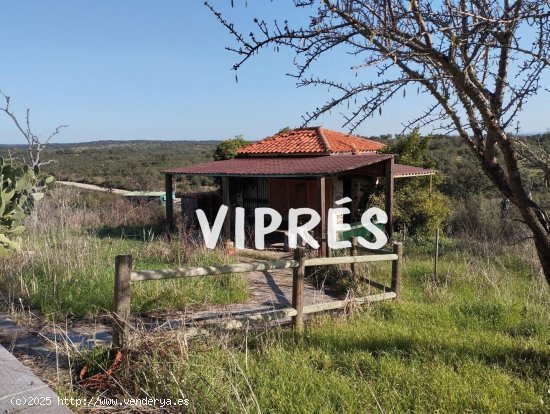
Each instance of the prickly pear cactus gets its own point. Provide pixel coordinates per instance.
(17, 197)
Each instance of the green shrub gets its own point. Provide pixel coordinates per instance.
(18, 192)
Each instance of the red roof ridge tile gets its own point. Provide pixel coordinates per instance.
(324, 141)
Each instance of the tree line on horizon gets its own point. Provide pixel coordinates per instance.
(137, 165)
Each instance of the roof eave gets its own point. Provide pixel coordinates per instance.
(312, 175)
(422, 174)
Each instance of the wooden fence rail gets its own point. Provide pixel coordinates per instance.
(211, 270)
(124, 275)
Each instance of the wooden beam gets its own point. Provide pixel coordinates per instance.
(329, 195)
(323, 212)
(320, 261)
(340, 304)
(389, 196)
(168, 188)
(242, 321)
(298, 276)
(183, 272)
(353, 252)
(225, 195)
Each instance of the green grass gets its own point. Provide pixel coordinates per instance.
(74, 275)
(67, 264)
(473, 339)
(476, 340)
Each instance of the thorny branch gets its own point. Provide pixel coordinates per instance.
(480, 61)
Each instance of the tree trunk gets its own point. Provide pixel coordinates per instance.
(511, 185)
(543, 251)
(538, 224)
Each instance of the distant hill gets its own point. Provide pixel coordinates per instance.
(133, 165)
(136, 165)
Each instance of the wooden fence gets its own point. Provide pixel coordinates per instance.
(124, 275)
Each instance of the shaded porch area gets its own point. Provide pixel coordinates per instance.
(282, 183)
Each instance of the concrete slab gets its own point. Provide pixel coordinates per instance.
(23, 392)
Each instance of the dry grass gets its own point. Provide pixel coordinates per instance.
(66, 267)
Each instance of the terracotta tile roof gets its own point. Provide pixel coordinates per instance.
(311, 141)
(282, 166)
(402, 170)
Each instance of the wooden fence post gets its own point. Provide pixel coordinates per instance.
(298, 289)
(436, 254)
(353, 252)
(396, 269)
(121, 303)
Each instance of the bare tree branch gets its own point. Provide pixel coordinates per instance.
(480, 61)
(35, 145)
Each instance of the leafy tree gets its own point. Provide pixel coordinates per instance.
(479, 61)
(419, 209)
(411, 149)
(228, 149)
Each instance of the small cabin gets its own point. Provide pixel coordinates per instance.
(305, 167)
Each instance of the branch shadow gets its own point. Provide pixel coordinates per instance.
(525, 362)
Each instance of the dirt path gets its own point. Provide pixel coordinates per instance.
(92, 187)
(43, 346)
(34, 336)
(269, 290)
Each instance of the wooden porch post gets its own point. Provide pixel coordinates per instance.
(298, 289)
(389, 196)
(322, 211)
(226, 202)
(168, 188)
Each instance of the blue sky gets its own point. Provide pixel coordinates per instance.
(159, 70)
